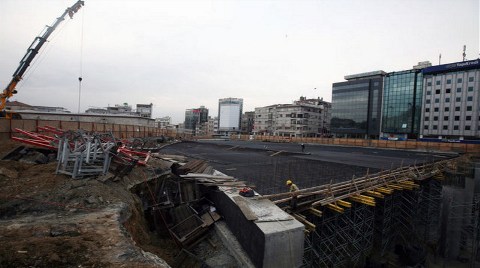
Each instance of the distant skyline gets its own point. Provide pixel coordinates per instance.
(184, 54)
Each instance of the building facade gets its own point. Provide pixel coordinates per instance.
(451, 101)
(303, 118)
(229, 115)
(356, 105)
(163, 122)
(246, 125)
(194, 119)
(145, 110)
(402, 103)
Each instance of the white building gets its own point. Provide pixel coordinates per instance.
(451, 97)
(163, 122)
(303, 118)
(229, 115)
(145, 110)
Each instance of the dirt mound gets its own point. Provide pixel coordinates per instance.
(49, 220)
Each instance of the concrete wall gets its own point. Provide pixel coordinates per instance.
(274, 240)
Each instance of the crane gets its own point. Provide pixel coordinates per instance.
(32, 51)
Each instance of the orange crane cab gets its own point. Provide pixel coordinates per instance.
(32, 51)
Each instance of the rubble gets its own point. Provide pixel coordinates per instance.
(112, 220)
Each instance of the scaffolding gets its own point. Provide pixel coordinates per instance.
(397, 207)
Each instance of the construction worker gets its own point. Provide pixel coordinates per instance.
(293, 189)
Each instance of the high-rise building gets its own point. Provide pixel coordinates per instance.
(194, 118)
(451, 101)
(402, 103)
(229, 115)
(302, 118)
(356, 105)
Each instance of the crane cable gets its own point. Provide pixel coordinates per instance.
(81, 63)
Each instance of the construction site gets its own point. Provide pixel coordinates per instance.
(84, 198)
(79, 190)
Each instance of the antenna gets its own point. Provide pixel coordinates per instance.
(464, 55)
(440, 59)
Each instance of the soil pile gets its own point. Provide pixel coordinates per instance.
(49, 220)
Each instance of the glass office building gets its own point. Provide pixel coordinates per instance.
(402, 103)
(194, 118)
(356, 106)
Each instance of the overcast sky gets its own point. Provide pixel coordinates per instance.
(184, 54)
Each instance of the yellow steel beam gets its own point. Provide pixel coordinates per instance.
(315, 212)
(344, 203)
(384, 190)
(374, 194)
(335, 208)
(395, 186)
(367, 200)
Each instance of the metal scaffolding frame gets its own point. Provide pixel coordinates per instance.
(340, 239)
(429, 211)
(80, 154)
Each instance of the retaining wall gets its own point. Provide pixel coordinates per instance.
(410, 144)
(274, 240)
(7, 128)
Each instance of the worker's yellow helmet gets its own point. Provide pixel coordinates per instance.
(289, 182)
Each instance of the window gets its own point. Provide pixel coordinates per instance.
(438, 82)
(425, 127)
(457, 109)
(447, 99)
(448, 90)
(449, 81)
(469, 108)
(427, 118)
(437, 100)
(445, 127)
(447, 109)
(455, 127)
(457, 118)
(459, 89)
(470, 79)
(427, 101)
(437, 91)
(459, 80)
(435, 127)
(435, 109)
(429, 92)
(445, 118)
(435, 118)
(429, 83)
(427, 110)
(467, 127)
(470, 89)
(468, 117)
(458, 99)
(470, 98)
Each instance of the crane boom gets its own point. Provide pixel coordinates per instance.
(32, 51)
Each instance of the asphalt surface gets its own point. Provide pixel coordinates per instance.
(268, 165)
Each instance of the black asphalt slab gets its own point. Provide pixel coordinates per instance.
(268, 165)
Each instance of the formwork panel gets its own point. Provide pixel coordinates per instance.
(51, 123)
(97, 127)
(70, 125)
(87, 126)
(108, 127)
(30, 125)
